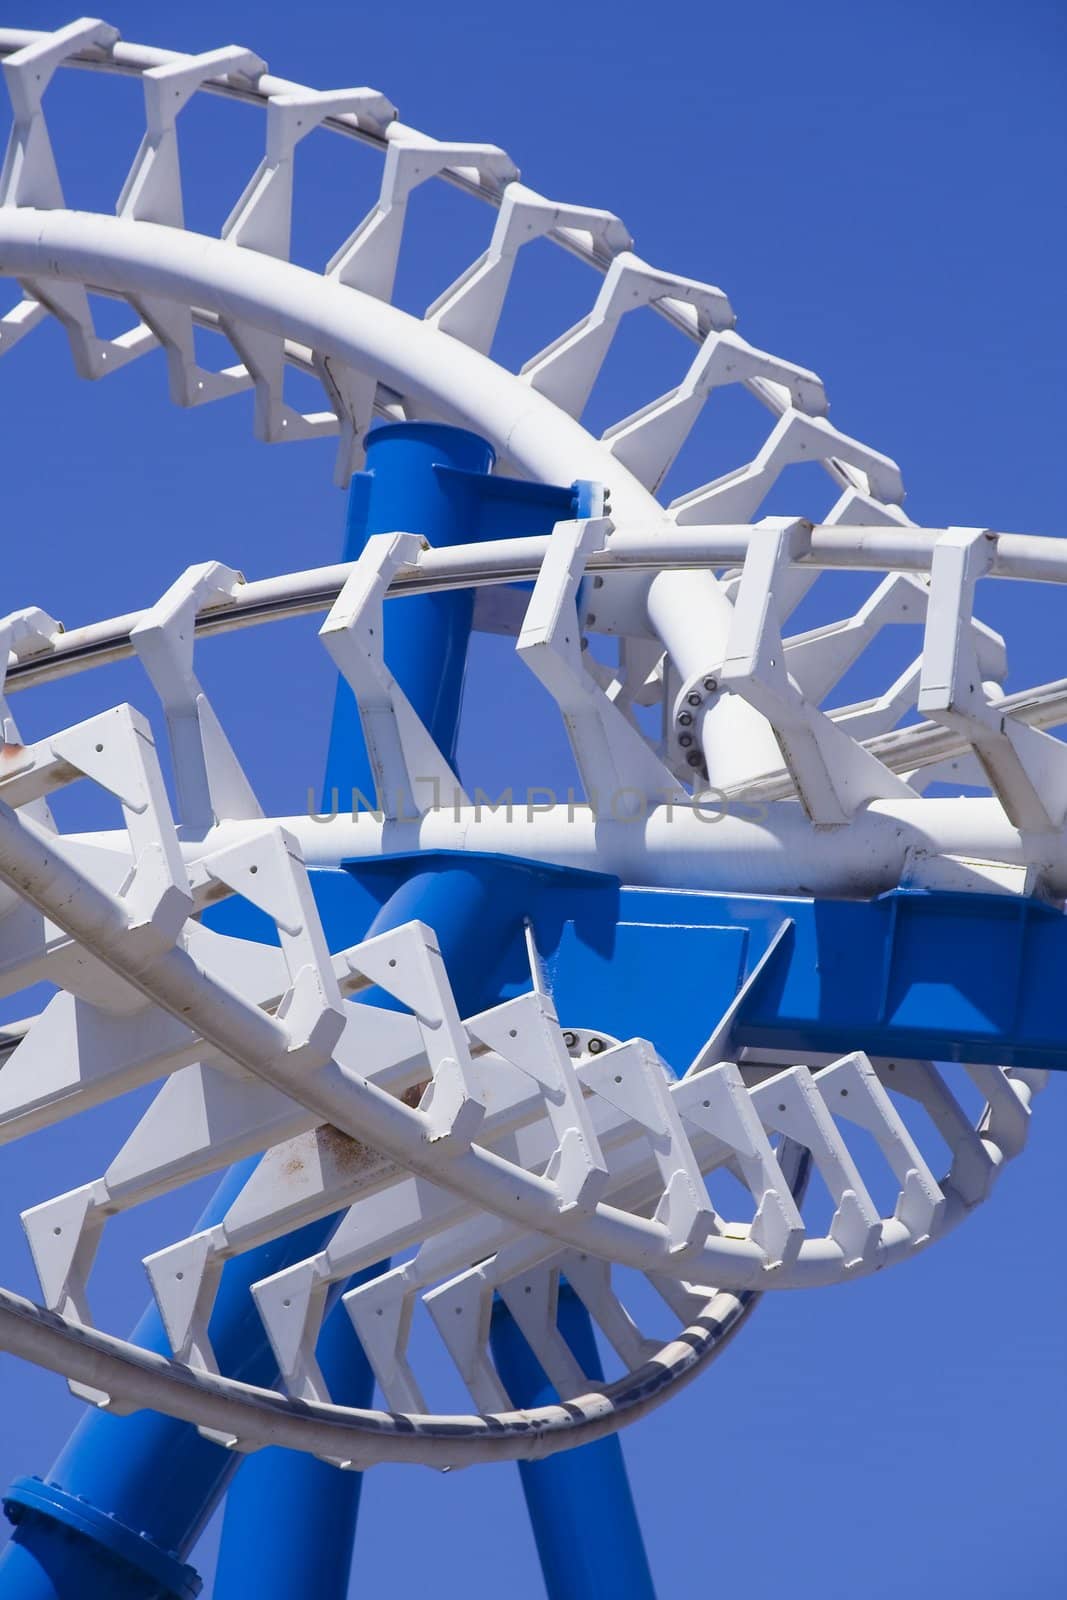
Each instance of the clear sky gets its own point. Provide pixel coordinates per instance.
(879, 188)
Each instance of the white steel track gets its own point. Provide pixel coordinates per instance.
(486, 1155)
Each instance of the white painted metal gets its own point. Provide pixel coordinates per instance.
(493, 1152)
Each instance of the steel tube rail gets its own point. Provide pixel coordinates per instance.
(359, 1439)
(131, 60)
(722, 845)
(1023, 557)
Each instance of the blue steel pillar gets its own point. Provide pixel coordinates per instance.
(581, 1509)
(128, 1497)
(422, 479)
(290, 1520)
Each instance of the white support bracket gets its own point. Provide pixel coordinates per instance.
(402, 754)
(852, 1089)
(973, 1169)
(210, 782)
(407, 964)
(93, 357)
(566, 370)
(790, 1103)
(1026, 768)
(152, 191)
(526, 1033)
(632, 1078)
(116, 751)
(590, 1278)
(24, 634)
(368, 258)
(268, 870)
(470, 308)
(720, 1104)
(262, 218)
(833, 775)
(532, 1297)
(29, 176)
(19, 321)
(614, 761)
(262, 356)
(737, 495)
(648, 442)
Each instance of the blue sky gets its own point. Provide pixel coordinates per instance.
(879, 190)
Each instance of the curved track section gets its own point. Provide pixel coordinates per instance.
(486, 1154)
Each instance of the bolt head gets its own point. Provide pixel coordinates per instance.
(685, 718)
(694, 699)
(695, 759)
(685, 740)
(711, 684)
(595, 1046)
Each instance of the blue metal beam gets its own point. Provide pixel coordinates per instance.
(581, 1507)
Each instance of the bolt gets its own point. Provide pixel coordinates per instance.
(591, 619)
(570, 1040)
(685, 740)
(695, 759)
(685, 718)
(711, 684)
(694, 699)
(595, 1046)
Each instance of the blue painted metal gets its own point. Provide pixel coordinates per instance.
(95, 1552)
(946, 976)
(431, 480)
(316, 1506)
(581, 1507)
(155, 1479)
(147, 1477)
(918, 974)
(922, 975)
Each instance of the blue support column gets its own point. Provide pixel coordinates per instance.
(313, 1504)
(581, 1508)
(128, 1497)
